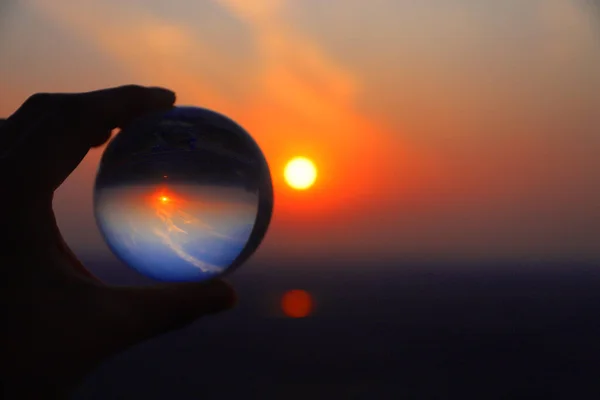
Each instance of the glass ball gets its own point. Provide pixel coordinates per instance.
(183, 195)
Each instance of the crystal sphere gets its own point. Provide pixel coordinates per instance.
(183, 195)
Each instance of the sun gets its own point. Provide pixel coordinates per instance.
(300, 173)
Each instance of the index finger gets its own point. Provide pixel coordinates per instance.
(57, 130)
(115, 107)
(103, 109)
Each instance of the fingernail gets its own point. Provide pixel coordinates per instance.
(164, 94)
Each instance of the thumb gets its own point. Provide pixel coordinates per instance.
(147, 311)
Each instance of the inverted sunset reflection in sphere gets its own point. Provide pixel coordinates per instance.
(183, 195)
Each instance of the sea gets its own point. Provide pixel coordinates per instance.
(385, 329)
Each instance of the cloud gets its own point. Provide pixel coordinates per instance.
(296, 72)
(155, 50)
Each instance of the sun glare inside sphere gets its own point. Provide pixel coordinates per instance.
(300, 173)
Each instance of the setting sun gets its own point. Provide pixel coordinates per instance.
(300, 173)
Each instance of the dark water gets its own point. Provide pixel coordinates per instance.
(378, 332)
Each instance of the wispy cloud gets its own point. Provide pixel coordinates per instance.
(156, 51)
(296, 71)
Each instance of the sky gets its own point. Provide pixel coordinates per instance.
(443, 130)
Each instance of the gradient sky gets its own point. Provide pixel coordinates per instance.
(444, 130)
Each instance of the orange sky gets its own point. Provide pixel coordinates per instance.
(446, 131)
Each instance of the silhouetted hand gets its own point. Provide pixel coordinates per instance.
(59, 321)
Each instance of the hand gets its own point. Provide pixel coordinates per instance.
(59, 320)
